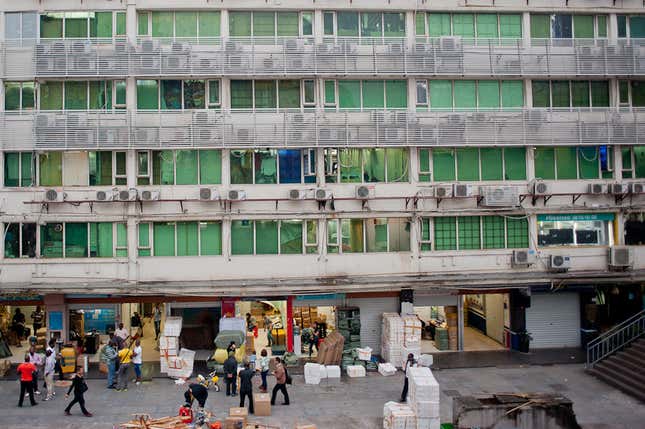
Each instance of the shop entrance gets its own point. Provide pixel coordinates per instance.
(310, 319)
(266, 320)
(18, 323)
(200, 325)
(486, 321)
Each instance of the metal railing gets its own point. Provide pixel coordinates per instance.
(62, 130)
(616, 338)
(302, 56)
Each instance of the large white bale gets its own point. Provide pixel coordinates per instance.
(355, 371)
(398, 416)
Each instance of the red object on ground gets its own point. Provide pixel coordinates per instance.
(186, 413)
(216, 425)
(255, 331)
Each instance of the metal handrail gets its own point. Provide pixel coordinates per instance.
(616, 338)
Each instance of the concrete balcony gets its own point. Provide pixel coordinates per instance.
(91, 130)
(340, 56)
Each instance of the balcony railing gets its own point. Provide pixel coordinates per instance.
(282, 56)
(68, 130)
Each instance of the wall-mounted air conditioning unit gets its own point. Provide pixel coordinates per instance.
(322, 194)
(104, 195)
(539, 187)
(442, 191)
(619, 188)
(523, 257)
(597, 188)
(364, 192)
(620, 258)
(126, 195)
(637, 188)
(500, 196)
(54, 195)
(460, 190)
(559, 263)
(244, 135)
(236, 195)
(208, 194)
(148, 195)
(297, 194)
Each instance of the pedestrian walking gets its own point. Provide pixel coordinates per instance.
(157, 319)
(50, 369)
(230, 374)
(37, 318)
(79, 387)
(109, 356)
(246, 386)
(313, 340)
(26, 371)
(408, 363)
(137, 360)
(281, 378)
(37, 360)
(264, 370)
(125, 358)
(135, 323)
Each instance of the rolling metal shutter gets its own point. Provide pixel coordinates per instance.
(553, 320)
(372, 310)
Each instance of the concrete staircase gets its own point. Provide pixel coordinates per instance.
(624, 370)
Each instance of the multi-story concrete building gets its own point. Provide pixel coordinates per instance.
(327, 153)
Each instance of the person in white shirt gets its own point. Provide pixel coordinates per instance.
(137, 360)
(122, 334)
(50, 365)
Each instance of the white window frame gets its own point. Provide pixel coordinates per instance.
(148, 174)
(308, 161)
(430, 240)
(150, 246)
(20, 239)
(305, 238)
(326, 104)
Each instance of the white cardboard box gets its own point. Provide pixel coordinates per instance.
(355, 371)
(386, 369)
(333, 371)
(172, 327)
(398, 416)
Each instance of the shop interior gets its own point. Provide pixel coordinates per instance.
(308, 319)
(276, 311)
(16, 330)
(605, 306)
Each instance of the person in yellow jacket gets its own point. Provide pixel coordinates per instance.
(125, 360)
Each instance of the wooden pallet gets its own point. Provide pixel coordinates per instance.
(143, 421)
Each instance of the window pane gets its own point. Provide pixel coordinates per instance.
(147, 94)
(289, 94)
(376, 235)
(241, 167)
(76, 240)
(210, 167)
(75, 95)
(121, 240)
(517, 233)
(374, 165)
(120, 23)
(330, 92)
(487, 25)
(162, 24)
(493, 228)
(310, 91)
(51, 240)
(265, 94)
(51, 169)
(373, 94)
(399, 235)
(352, 235)
(513, 94)
(639, 162)
(12, 240)
(541, 96)
(488, 94)
(12, 96)
(142, 23)
(120, 92)
(510, 26)
(291, 237)
(164, 239)
(463, 25)
(371, 24)
(347, 24)
(469, 233)
(307, 24)
(241, 94)
(51, 96)
(210, 238)
(142, 163)
(101, 240)
(443, 164)
(350, 165)
(100, 94)
(561, 26)
(515, 163)
(332, 236)
(491, 163)
(11, 168)
(394, 24)
(264, 24)
(445, 233)
(468, 164)
(187, 241)
(583, 26)
(439, 24)
(186, 167)
(602, 25)
(209, 24)
(638, 94)
(580, 94)
(588, 162)
(290, 166)
(328, 23)
(397, 165)
(194, 94)
(349, 94)
(540, 26)
(288, 24)
(600, 93)
(162, 168)
(144, 239)
(76, 24)
(465, 95)
(28, 99)
(544, 163)
(566, 165)
(560, 93)
(266, 237)
(28, 240)
(622, 25)
(422, 92)
(441, 94)
(100, 167)
(170, 94)
(28, 171)
(213, 92)
(12, 25)
(420, 23)
(185, 24)
(239, 24)
(101, 25)
(637, 27)
(396, 94)
(51, 25)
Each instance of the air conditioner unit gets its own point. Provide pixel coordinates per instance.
(148, 195)
(297, 194)
(539, 187)
(126, 195)
(500, 196)
(322, 194)
(559, 263)
(597, 188)
(208, 194)
(236, 195)
(54, 195)
(244, 135)
(104, 195)
(449, 43)
(364, 192)
(443, 191)
(523, 258)
(460, 190)
(637, 188)
(298, 118)
(620, 257)
(619, 188)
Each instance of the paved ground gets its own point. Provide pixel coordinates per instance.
(354, 403)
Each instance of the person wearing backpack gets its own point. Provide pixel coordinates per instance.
(281, 380)
(79, 387)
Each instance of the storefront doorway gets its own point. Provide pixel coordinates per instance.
(262, 311)
(486, 321)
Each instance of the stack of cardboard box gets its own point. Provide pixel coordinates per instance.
(169, 343)
(236, 415)
(331, 350)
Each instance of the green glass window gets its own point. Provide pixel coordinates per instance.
(12, 94)
(187, 239)
(76, 24)
(120, 93)
(143, 166)
(638, 93)
(463, 24)
(350, 165)
(394, 24)
(600, 93)
(162, 24)
(210, 167)
(560, 95)
(289, 94)
(443, 164)
(349, 94)
(51, 95)
(332, 236)
(545, 163)
(352, 235)
(512, 94)
(540, 26)
(241, 167)
(51, 168)
(142, 23)
(121, 240)
(602, 25)
(100, 167)
(18, 169)
(487, 25)
(213, 93)
(76, 240)
(266, 237)
(147, 94)
(163, 167)
(309, 92)
(290, 237)
(288, 24)
(488, 94)
(307, 23)
(491, 163)
(101, 240)
(185, 24)
(187, 167)
(263, 24)
(396, 94)
(566, 165)
(425, 234)
(465, 95)
(170, 94)
(241, 94)
(588, 162)
(371, 24)
(210, 238)
(425, 175)
(194, 94)
(164, 238)
(374, 165)
(580, 94)
(639, 161)
(515, 163)
(144, 239)
(239, 24)
(328, 23)
(397, 164)
(209, 24)
(467, 164)
(517, 233)
(311, 243)
(347, 23)
(330, 93)
(51, 240)
(51, 25)
(75, 95)
(637, 27)
(265, 94)
(441, 94)
(445, 233)
(469, 232)
(583, 26)
(493, 232)
(510, 26)
(376, 235)
(120, 23)
(439, 25)
(420, 23)
(541, 93)
(12, 240)
(373, 94)
(100, 94)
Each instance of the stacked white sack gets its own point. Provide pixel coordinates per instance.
(423, 397)
(398, 416)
